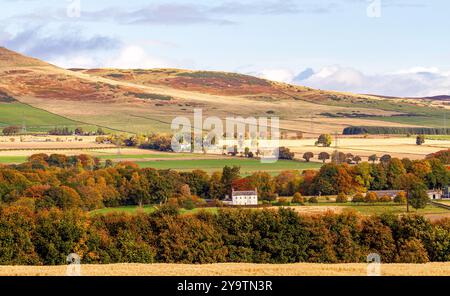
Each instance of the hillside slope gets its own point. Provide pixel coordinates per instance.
(147, 100)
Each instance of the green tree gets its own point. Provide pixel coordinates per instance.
(307, 156)
(341, 198)
(11, 130)
(395, 170)
(229, 175)
(285, 153)
(385, 158)
(324, 156)
(420, 139)
(373, 158)
(324, 140)
(416, 191)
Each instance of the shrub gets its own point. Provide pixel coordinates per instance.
(400, 198)
(371, 197)
(385, 198)
(283, 202)
(298, 198)
(189, 204)
(341, 198)
(313, 200)
(358, 197)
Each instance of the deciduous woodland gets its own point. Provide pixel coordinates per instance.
(232, 235)
(72, 182)
(45, 203)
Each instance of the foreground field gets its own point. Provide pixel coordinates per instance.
(232, 269)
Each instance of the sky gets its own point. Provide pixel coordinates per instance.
(386, 47)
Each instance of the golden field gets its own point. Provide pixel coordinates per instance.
(233, 269)
(395, 146)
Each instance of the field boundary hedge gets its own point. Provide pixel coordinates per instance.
(380, 130)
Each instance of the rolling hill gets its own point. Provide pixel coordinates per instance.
(144, 100)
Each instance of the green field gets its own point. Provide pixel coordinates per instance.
(13, 159)
(438, 137)
(35, 120)
(391, 208)
(418, 115)
(145, 209)
(147, 156)
(364, 209)
(248, 166)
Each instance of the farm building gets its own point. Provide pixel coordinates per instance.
(434, 194)
(446, 193)
(244, 198)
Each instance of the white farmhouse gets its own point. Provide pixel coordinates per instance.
(434, 194)
(244, 198)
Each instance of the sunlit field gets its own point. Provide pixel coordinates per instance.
(232, 269)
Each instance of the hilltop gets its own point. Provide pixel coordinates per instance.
(143, 100)
(9, 58)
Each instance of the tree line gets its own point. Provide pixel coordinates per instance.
(391, 130)
(83, 181)
(232, 235)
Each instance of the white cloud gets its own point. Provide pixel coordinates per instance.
(280, 75)
(134, 56)
(127, 57)
(413, 82)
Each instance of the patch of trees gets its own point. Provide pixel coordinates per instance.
(414, 177)
(443, 156)
(285, 153)
(46, 237)
(64, 131)
(148, 96)
(11, 130)
(376, 130)
(324, 140)
(420, 139)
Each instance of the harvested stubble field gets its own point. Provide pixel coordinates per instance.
(233, 269)
(395, 146)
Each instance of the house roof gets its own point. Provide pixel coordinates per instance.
(388, 192)
(249, 192)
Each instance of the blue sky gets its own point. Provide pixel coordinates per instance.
(329, 44)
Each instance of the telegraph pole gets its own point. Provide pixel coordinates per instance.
(24, 126)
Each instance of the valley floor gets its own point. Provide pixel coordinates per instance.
(233, 269)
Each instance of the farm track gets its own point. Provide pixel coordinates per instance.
(440, 205)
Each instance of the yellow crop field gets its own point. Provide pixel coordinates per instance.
(232, 269)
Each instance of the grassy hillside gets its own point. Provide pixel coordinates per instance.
(36, 120)
(142, 100)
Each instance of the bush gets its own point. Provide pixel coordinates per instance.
(371, 197)
(283, 202)
(313, 200)
(189, 204)
(341, 198)
(298, 198)
(385, 198)
(400, 198)
(358, 197)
